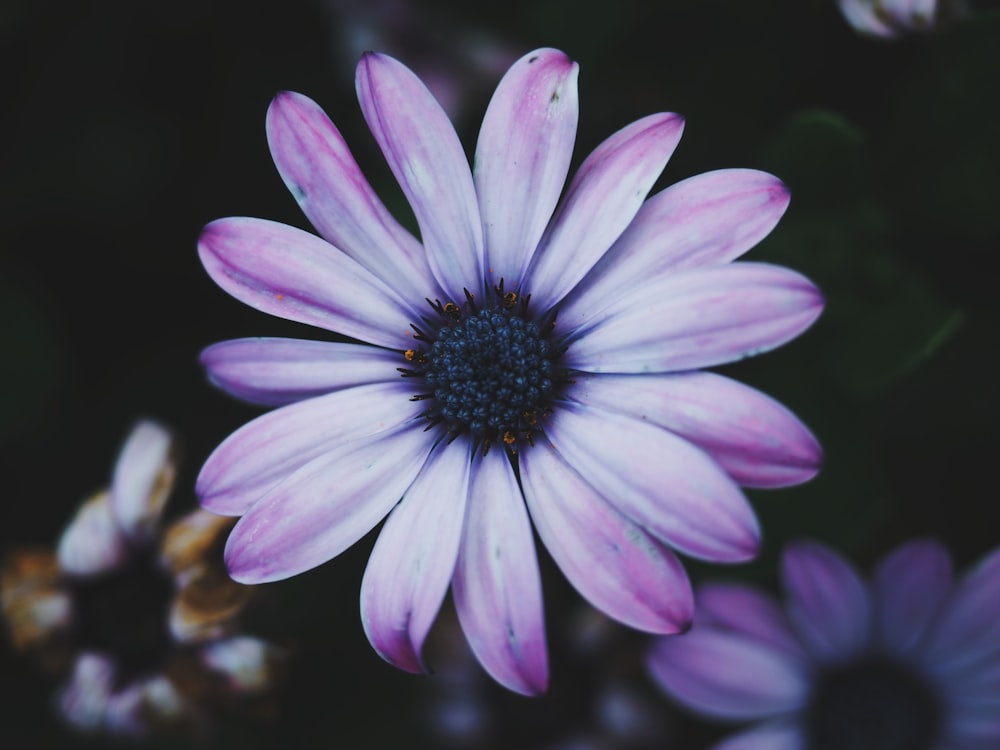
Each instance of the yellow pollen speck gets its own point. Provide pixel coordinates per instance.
(509, 438)
(409, 354)
(279, 296)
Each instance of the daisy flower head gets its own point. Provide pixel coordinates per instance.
(527, 358)
(139, 617)
(909, 660)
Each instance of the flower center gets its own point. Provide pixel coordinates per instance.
(124, 614)
(489, 371)
(872, 704)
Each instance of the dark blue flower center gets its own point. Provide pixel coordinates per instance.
(489, 371)
(873, 703)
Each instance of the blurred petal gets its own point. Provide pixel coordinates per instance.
(698, 318)
(910, 586)
(754, 438)
(771, 736)
(727, 675)
(601, 201)
(969, 627)
(523, 156)
(414, 557)
(497, 588)
(748, 612)
(295, 275)
(207, 604)
(862, 16)
(319, 170)
(275, 371)
(707, 219)
(147, 705)
(247, 663)
(194, 540)
(143, 478)
(34, 602)
(92, 543)
(265, 451)
(425, 155)
(611, 560)
(658, 480)
(326, 506)
(84, 698)
(827, 600)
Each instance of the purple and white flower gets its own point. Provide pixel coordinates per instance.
(530, 360)
(910, 659)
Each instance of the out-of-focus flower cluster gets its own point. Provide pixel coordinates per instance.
(139, 618)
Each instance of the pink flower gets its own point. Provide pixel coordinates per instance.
(524, 360)
(140, 619)
(909, 660)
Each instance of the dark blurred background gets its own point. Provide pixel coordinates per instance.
(128, 125)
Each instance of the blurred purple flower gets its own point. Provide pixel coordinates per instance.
(908, 661)
(569, 339)
(141, 620)
(893, 18)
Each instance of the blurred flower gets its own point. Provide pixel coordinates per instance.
(892, 18)
(457, 62)
(141, 619)
(559, 377)
(908, 661)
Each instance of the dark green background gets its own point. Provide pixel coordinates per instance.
(128, 125)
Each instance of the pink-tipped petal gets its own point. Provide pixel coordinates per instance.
(828, 602)
(413, 560)
(276, 371)
(325, 507)
(698, 318)
(754, 438)
(92, 543)
(727, 675)
(969, 627)
(523, 156)
(657, 479)
(601, 201)
(425, 155)
(143, 478)
(295, 275)
(497, 587)
(910, 586)
(263, 452)
(612, 561)
(319, 170)
(778, 735)
(707, 219)
(747, 611)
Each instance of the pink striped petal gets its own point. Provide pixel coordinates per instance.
(727, 675)
(754, 438)
(497, 588)
(425, 155)
(779, 735)
(828, 602)
(658, 480)
(92, 543)
(707, 219)
(969, 627)
(698, 318)
(276, 371)
(523, 156)
(413, 560)
(263, 452)
(319, 170)
(286, 272)
(749, 612)
(143, 479)
(910, 586)
(615, 564)
(326, 506)
(601, 201)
